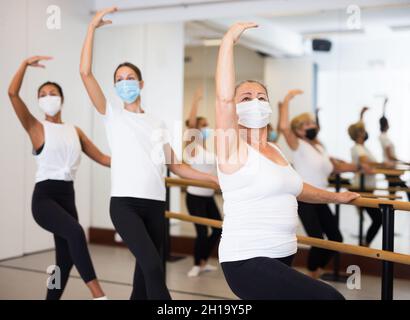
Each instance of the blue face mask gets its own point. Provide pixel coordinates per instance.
(206, 132)
(128, 90)
(272, 136)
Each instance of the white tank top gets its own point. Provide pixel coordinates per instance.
(203, 161)
(61, 154)
(260, 209)
(313, 164)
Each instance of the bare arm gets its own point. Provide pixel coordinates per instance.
(92, 151)
(93, 88)
(311, 194)
(284, 123)
(362, 112)
(226, 118)
(183, 170)
(194, 108)
(32, 126)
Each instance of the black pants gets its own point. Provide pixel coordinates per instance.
(400, 184)
(204, 207)
(318, 220)
(376, 217)
(264, 278)
(53, 207)
(141, 225)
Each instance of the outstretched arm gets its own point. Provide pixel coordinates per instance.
(90, 149)
(284, 124)
(93, 88)
(311, 194)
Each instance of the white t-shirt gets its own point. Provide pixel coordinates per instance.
(61, 154)
(357, 151)
(386, 143)
(138, 161)
(313, 164)
(260, 209)
(203, 161)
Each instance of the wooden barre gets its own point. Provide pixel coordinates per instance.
(379, 196)
(315, 242)
(389, 172)
(354, 188)
(361, 202)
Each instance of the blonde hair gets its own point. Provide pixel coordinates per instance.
(252, 81)
(354, 130)
(298, 121)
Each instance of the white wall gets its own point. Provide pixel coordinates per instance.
(282, 75)
(23, 33)
(158, 50)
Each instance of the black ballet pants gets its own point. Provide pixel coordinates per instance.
(53, 207)
(141, 225)
(263, 278)
(204, 207)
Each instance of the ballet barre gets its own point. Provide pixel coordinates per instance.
(386, 255)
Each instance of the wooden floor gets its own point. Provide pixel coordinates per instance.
(25, 278)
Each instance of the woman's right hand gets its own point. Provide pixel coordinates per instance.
(98, 20)
(35, 61)
(236, 30)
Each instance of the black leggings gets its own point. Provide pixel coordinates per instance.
(376, 216)
(400, 184)
(204, 207)
(318, 220)
(141, 225)
(265, 278)
(53, 207)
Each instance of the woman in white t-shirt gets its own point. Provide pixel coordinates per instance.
(312, 162)
(201, 201)
(57, 147)
(362, 156)
(260, 191)
(140, 150)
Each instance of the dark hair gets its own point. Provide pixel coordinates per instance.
(196, 121)
(56, 85)
(384, 123)
(252, 81)
(131, 66)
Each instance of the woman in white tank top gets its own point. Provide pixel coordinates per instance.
(260, 192)
(57, 147)
(314, 165)
(200, 202)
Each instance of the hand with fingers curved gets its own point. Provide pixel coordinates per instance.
(236, 30)
(98, 20)
(35, 61)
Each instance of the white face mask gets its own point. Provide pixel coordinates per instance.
(254, 114)
(50, 105)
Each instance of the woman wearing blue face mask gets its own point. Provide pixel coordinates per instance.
(57, 148)
(140, 152)
(260, 191)
(200, 201)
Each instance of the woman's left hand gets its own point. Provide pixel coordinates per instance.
(346, 197)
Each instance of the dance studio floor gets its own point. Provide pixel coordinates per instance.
(25, 278)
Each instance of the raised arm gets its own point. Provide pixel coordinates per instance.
(226, 118)
(32, 126)
(92, 151)
(194, 108)
(362, 112)
(93, 88)
(284, 123)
